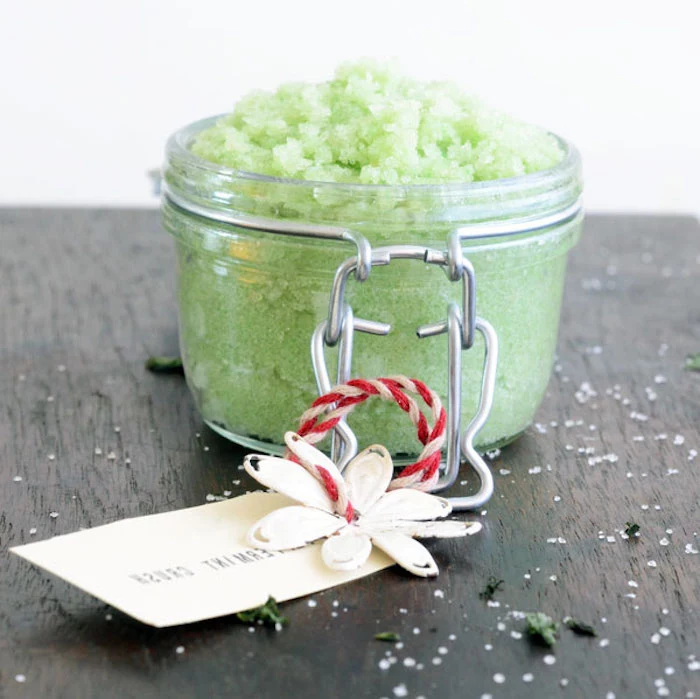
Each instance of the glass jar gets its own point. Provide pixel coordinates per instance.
(249, 300)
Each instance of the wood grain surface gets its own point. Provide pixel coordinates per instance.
(86, 296)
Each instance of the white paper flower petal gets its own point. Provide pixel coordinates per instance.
(427, 530)
(292, 527)
(347, 551)
(288, 478)
(408, 504)
(408, 553)
(309, 454)
(367, 477)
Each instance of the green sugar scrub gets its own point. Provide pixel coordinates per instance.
(396, 161)
(371, 125)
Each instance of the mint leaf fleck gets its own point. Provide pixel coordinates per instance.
(542, 628)
(165, 365)
(268, 614)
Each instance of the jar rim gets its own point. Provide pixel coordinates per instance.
(178, 147)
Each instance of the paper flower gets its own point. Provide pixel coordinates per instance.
(351, 512)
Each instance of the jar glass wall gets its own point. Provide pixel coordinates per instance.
(249, 300)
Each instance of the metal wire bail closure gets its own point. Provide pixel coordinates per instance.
(461, 325)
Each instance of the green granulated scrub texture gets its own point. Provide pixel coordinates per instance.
(372, 125)
(249, 301)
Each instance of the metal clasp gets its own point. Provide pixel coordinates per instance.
(461, 326)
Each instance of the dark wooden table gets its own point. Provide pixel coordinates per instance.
(88, 295)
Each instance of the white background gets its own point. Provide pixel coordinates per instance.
(90, 90)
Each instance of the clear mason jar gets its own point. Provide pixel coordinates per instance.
(249, 300)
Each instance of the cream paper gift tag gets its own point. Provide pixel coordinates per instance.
(189, 565)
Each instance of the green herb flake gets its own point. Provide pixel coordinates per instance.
(631, 529)
(165, 365)
(692, 362)
(542, 628)
(390, 636)
(579, 627)
(268, 614)
(492, 586)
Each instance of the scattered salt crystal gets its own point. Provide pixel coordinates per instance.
(400, 690)
(549, 660)
(638, 438)
(541, 429)
(690, 549)
(640, 417)
(632, 583)
(442, 650)
(439, 593)
(563, 681)
(53, 515)
(610, 695)
(180, 650)
(108, 617)
(384, 664)
(127, 460)
(535, 469)
(604, 642)
(645, 507)
(664, 541)
(17, 479)
(528, 677)
(651, 563)
(117, 429)
(50, 399)
(499, 678)
(20, 678)
(660, 378)
(655, 639)
(664, 631)
(669, 670)
(527, 576)
(610, 539)
(452, 637)
(516, 635)
(51, 457)
(111, 456)
(32, 531)
(556, 498)
(416, 631)
(679, 439)
(488, 646)
(501, 626)
(436, 661)
(312, 603)
(504, 471)
(493, 603)
(553, 578)
(409, 662)
(98, 451)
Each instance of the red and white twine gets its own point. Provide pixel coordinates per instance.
(329, 409)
